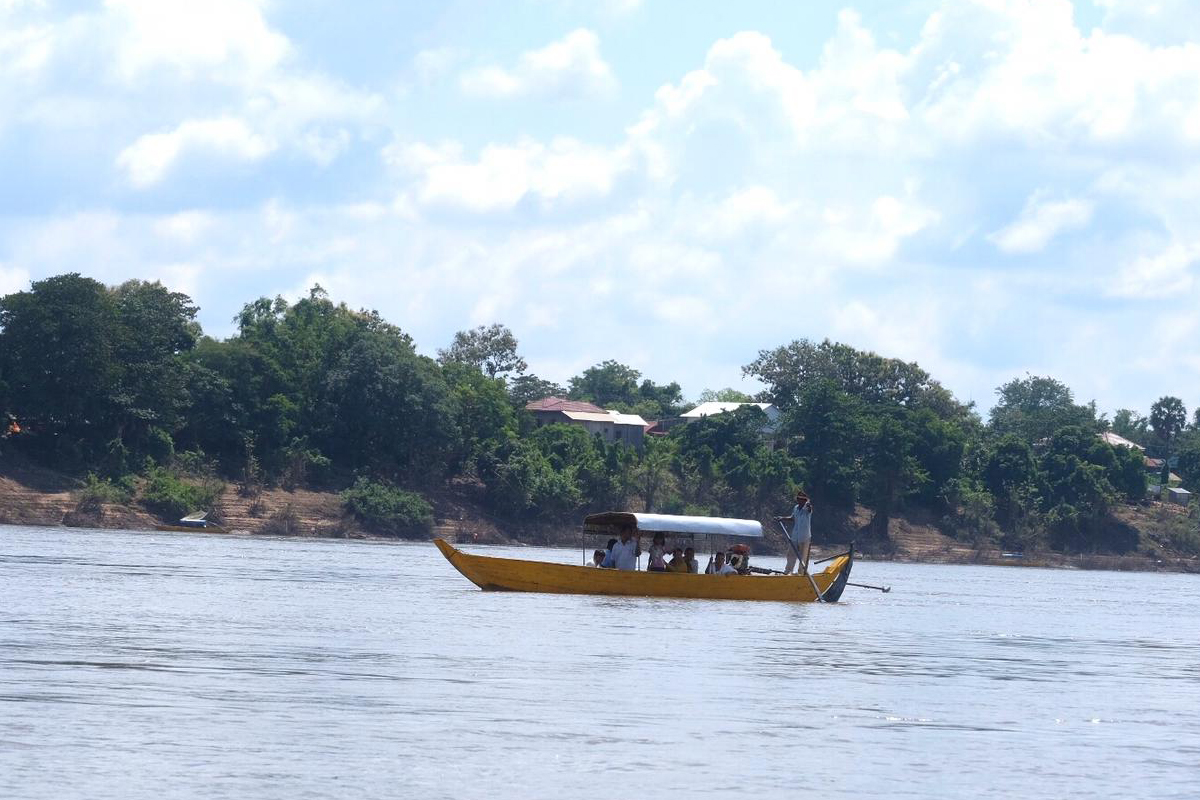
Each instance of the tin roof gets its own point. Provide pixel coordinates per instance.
(615, 417)
(714, 407)
(561, 404)
(1119, 441)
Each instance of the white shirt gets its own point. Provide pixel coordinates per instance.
(726, 569)
(623, 555)
(801, 524)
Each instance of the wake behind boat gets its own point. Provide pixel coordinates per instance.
(491, 573)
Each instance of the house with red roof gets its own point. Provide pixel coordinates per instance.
(611, 426)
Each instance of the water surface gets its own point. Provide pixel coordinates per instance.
(144, 665)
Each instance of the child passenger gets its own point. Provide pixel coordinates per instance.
(658, 551)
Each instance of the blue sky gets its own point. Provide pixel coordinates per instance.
(987, 187)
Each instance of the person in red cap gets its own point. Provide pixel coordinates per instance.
(800, 532)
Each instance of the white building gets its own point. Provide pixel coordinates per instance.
(1179, 496)
(611, 426)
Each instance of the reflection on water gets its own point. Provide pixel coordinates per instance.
(144, 665)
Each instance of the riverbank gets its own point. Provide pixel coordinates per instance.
(32, 496)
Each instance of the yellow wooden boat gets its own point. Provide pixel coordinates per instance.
(491, 573)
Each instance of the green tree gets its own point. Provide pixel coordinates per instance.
(492, 349)
(869, 378)
(611, 384)
(654, 479)
(1010, 474)
(1167, 419)
(1075, 484)
(891, 468)
(607, 384)
(484, 416)
(524, 389)
(1189, 465)
(725, 395)
(938, 445)
(1131, 425)
(521, 482)
(1127, 473)
(57, 348)
(827, 428)
(1033, 408)
(155, 327)
(384, 408)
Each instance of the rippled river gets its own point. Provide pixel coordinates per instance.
(154, 665)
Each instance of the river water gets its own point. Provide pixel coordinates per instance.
(150, 665)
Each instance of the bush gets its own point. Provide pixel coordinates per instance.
(284, 522)
(388, 509)
(97, 491)
(168, 495)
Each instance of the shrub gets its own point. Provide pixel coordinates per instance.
(388, 509)
(172, 497)
(284, 522)
(97, 491)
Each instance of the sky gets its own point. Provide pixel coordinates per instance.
(988, 187)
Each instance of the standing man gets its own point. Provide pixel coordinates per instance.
(624, 554)
(800, 532)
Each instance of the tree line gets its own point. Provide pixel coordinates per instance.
(121, 384)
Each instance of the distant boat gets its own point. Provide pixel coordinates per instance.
(518, 575)
(193, 522)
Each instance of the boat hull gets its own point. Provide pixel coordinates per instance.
(210, 528)
(516, 575)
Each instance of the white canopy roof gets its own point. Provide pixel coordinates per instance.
(670, 523)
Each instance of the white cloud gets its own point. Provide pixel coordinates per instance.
(13, 279)
(151, 157)
(1157, 275)
(1040, 221)
(229, 36)
(571, 67)
(503, 175)
(185, 227)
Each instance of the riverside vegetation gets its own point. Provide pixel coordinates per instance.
(120, 387)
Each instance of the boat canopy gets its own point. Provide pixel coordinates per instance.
(609, 521)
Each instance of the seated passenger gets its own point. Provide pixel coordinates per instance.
(608, 547)
(658, 551)
(719, 567)
(598, 558)
(689, 555)
(678, 562)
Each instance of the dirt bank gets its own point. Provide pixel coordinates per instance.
(33, 496)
